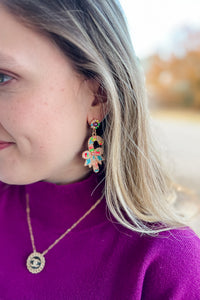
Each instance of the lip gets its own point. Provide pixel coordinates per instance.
(4, 145)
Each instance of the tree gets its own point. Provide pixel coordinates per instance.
(176, 81)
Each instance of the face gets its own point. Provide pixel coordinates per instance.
(45, 107)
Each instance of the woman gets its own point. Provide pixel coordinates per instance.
(67, 231)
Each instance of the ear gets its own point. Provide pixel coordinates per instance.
(99, 106)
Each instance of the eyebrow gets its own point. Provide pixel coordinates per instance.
(5, 58)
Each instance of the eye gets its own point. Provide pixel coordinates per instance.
(4, 78)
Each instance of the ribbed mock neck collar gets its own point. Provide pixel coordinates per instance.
(61, 205)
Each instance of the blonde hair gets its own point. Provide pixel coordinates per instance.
(94, 35)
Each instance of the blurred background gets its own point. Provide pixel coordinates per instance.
(166, 38)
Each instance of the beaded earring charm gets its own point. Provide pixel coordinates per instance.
(94, 156)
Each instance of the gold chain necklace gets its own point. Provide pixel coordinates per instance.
(36, 261)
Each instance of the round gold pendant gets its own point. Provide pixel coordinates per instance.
(35, 262)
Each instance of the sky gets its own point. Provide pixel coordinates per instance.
(152, 23)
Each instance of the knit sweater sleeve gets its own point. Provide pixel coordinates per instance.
(174, 270)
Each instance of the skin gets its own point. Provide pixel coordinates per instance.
(45, 108)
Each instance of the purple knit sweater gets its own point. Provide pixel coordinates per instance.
(97, 260)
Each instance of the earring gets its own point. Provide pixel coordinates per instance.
(94, 156)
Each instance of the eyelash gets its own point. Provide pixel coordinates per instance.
(2, 75)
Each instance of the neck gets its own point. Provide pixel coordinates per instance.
(72, 178)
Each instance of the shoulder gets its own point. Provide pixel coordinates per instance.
(173, 265)
(164, 266)
(182, 239)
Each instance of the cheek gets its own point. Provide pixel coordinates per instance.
(11, 121)
(48, 125)
(68, 130)
(25, 123)
(54, 131)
